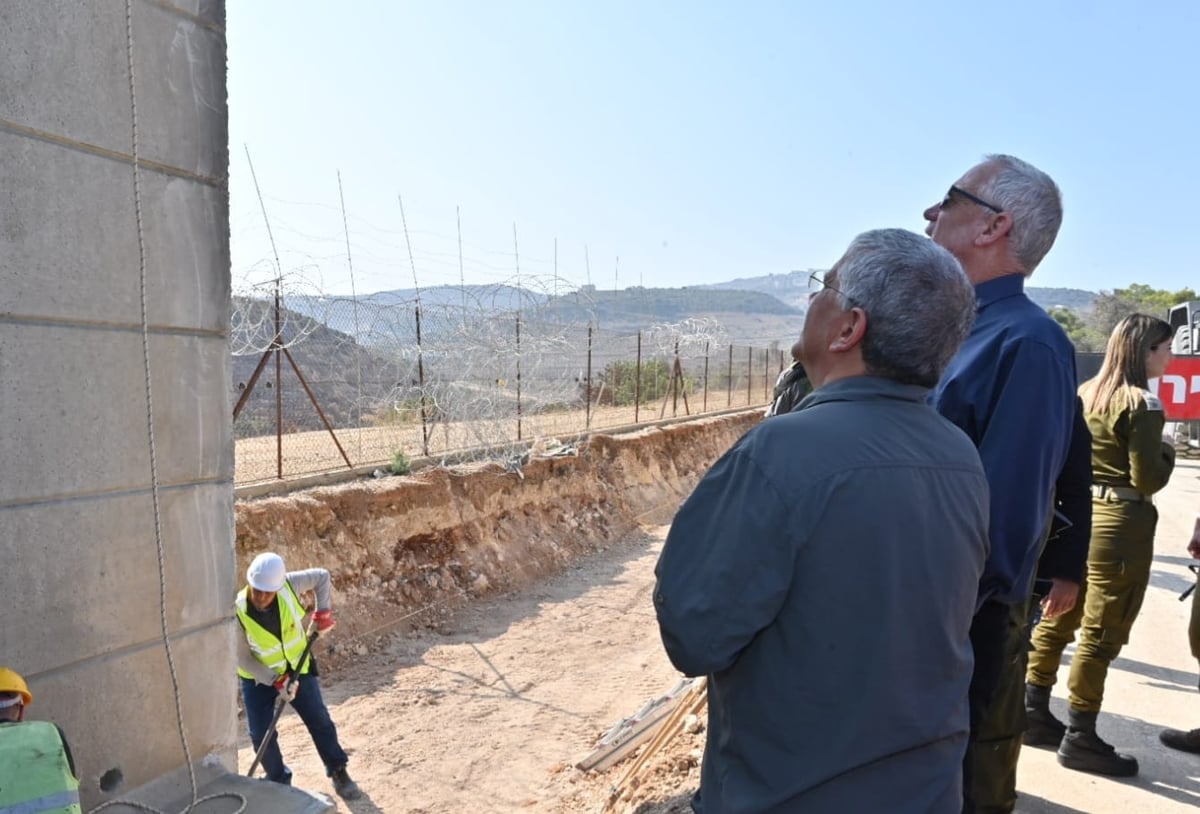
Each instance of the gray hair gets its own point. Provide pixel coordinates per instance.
(1033, 200)
(920, 305)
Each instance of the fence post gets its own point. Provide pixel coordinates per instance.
(729, 380)
(676, 382)
(421, 384)
(637, 384)
(749, 375)
(518, 375)
(588, 413)
(705, 410)
(278, 391)
(766, 372)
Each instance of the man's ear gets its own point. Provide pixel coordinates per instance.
(999, 226)
(852, 331)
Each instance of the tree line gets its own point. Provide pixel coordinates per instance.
(1090, 329)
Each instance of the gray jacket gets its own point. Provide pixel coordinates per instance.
(823, 575)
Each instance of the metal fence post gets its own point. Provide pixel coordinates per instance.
(421, 384)
(518, 376)
(637, 384)
(729, 380)
(749, 375)
(588, 412)
(705, 410)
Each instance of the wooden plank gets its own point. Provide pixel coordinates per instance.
(628, 733)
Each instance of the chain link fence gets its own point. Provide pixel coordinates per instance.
(323, 383)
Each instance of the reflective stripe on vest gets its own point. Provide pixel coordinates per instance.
(278, 655)
(35, 776)
(60, 801)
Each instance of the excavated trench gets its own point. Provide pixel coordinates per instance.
(406, 551)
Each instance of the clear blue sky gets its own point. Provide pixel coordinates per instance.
(698, 141)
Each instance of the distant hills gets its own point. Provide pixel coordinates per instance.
(757, 311)
(792, 289)
(360, 354)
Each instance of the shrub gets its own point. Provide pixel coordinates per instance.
(400, 464)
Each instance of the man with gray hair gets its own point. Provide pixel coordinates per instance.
(1011, 388)
(824, 571)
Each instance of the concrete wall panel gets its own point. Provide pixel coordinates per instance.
(64, 69)
(112, 573)
(60, 238)
(74, 407)
(82, 589)
(66, 234)
(119, 712)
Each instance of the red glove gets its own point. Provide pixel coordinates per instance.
(281, 686)
(324, 620)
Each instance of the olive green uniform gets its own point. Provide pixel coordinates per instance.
(1194, 627)
(1130, 462)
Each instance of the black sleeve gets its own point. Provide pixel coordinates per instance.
(1065, 556)
(67, 751)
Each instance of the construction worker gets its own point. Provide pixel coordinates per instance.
(1189, 741)
(37, 772)
(272, 617)
(1130, 462)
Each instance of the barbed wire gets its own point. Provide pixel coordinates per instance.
(449, 371)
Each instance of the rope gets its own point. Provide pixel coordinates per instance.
(154, 492)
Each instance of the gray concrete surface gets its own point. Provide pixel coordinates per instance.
(77, 533)
(1152, 685)
(173, 793)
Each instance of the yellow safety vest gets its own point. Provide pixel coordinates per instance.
(278, 654)
(35, 776)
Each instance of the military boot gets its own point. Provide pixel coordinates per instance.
(1183, 741)
(1041, 727)
(1083, 750)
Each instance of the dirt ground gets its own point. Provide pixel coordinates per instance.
(486, 709)
(483, 700)
(314, 451)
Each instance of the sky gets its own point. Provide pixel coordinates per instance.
(666, 144)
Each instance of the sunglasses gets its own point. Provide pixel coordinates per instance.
(962, 193)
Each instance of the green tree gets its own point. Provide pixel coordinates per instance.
(1084, 338)
(1112, 306)
(619, 382)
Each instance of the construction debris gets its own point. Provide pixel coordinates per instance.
(687, 704)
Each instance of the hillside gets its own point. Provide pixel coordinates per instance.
(792, 289)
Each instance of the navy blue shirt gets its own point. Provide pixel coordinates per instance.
(1011, 388)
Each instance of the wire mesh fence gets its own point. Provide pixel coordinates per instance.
(322, 383)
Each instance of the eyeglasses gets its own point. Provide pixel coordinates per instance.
(957, 190)
(817, 284)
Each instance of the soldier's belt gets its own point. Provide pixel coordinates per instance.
(1119, 493)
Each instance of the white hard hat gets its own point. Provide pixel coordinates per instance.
(267, 573)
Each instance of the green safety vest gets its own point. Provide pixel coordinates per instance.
(35, 776)
(279, 655)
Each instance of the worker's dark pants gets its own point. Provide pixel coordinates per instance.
(998, 637)
(259, 700)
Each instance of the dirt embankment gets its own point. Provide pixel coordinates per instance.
(411, 549)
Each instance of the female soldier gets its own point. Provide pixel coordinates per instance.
(1130, 462)
(1175, 738)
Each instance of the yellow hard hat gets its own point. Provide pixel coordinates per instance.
(11, 681)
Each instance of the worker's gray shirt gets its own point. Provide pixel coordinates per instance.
(823, 574)
(310, 579)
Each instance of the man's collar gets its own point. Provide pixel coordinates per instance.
(866, 387)
(998, 289)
